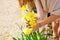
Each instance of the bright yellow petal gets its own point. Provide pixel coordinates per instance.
(23, 8)
(27, 31)
(31, 16)
(24, 17)
(32, 23)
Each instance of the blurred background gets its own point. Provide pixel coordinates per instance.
(10, 14)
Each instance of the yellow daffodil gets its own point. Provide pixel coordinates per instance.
(31, 16)
(27, 31)
(24, 8)
(32, 23)
(24, 17)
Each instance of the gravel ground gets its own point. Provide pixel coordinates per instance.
(10, 14)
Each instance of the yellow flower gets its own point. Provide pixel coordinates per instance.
(23, 8)
(24, 17)
(32, 23)
(31, 16)
(27, 31)
(7, 38)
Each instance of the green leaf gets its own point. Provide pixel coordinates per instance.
(39, 35)
(35, 35)
(19, 39)
(31, 37)
(26, 37)
(14, 38)
(22, 36)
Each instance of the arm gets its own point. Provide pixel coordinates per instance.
(45, 21)
(48, 20)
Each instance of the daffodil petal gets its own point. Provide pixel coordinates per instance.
(23, 8)
(27, 31)
(24, 17)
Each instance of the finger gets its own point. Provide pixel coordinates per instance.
(37, 18)
(36, 27)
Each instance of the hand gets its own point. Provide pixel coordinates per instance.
(36, 27)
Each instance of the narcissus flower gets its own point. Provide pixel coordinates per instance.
(24, 7)
(31, 15)
(32, 23)
(24, 17)
(27, 31)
